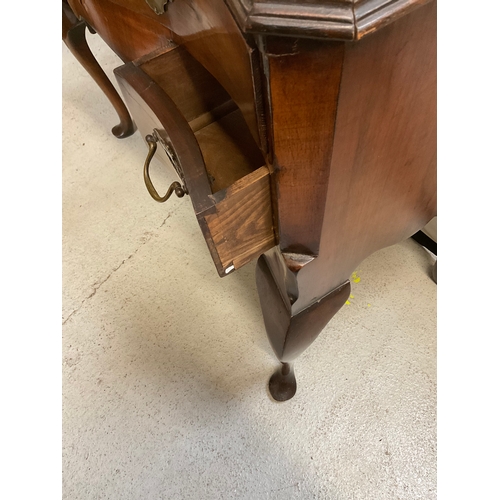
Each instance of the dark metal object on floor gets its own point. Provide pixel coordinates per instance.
(422, 239)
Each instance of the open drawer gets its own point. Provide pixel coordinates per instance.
(202, 134)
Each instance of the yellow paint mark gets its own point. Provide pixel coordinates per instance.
(355, 278)
(351, 296)
(369, 305)
(347, 303)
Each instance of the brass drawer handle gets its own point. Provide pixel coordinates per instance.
(174, 187)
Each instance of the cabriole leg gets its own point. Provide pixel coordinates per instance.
(291, 331)
(73, 35)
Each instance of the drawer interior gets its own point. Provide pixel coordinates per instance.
(217, 158)
(227, 146)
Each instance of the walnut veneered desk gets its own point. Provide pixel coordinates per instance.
(304, 133)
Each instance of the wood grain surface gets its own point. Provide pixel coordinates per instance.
(324, 19)
(291, 334)
(193, 89)
(229, 151)
(242, 226)
(209, 32)
(382, 185)
(304, 80)
(348, 131)
(222, 169)
(130, 34)
(205, 28)
(153, 109)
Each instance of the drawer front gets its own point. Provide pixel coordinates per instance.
(216, 159)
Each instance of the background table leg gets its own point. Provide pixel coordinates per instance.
(73, 35)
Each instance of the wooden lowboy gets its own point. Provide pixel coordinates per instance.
(304, 133)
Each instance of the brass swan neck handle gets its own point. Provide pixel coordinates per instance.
(174, 187)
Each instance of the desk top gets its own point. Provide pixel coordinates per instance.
(344, 20)
(333, 19)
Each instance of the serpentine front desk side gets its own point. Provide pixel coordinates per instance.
(304, 133)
